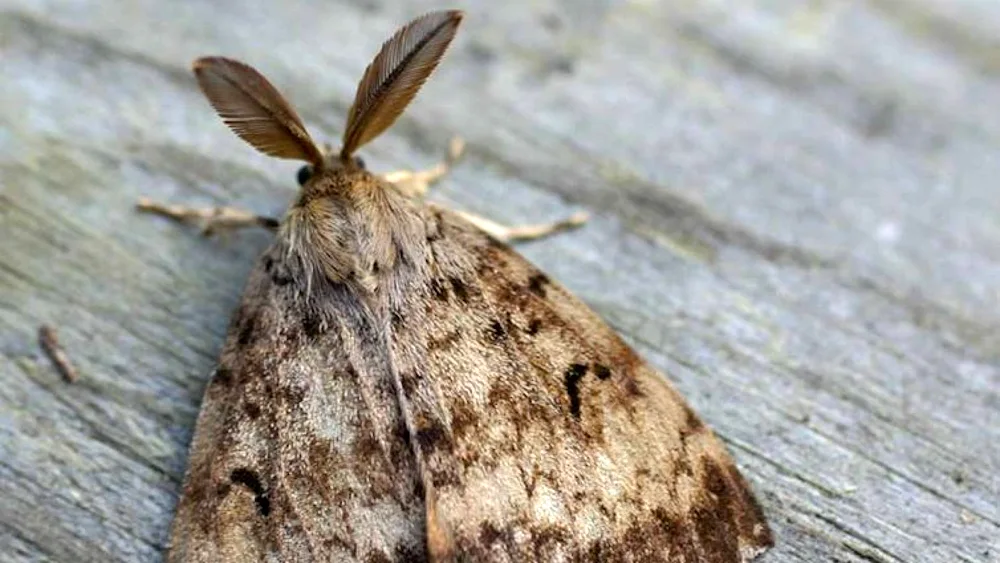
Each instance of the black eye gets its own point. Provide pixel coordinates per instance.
(359, 162)
(304, 174)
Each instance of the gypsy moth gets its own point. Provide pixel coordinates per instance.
(399, 385)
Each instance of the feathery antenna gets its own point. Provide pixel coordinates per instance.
(254, 109)
(396, 74)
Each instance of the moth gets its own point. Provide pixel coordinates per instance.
(398, 384)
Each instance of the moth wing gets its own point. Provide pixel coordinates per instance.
(544, 436)
(299, 452)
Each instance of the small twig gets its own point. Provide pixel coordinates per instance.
(50, 343)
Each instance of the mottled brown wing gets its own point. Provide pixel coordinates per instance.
(299, 452)
(544, 436)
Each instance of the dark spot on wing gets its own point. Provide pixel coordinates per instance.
(460, 289)
(396, 318)
(252, 409)
(312, 324)
(572, 378)
(489, 534)
(277, 271)
(529, 481)
(406, 553)
(403, 434)
(410, 381)
(249, 479)
(199, 485)
(632, 386)
(664, 520)
(430, 436)
(463, 418)
(748, 515)
(378, 557)
(246, 325)
(445, 476)
(713, 516)
(682, 467)
(715, 481)
(292, 394)
(540, 542)
(655, 533)
(319, 451)
(534, 326)
(692, 424)
(496, 332)
(547, 540)
(443, 343)
(400, 449)
(223, 376)
(679, 534)
(602, 372)
(366, 446)
(724, 514)
(595, 553)
(537, 283)
(499, 392)
(439, 291)
(334, 540)
(623, 357)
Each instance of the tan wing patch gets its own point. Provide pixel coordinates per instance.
(299, 451)
(545, 436)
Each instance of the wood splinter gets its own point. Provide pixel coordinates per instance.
(50, 343)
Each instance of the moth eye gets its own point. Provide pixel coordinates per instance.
(304, 174)
(359, 162)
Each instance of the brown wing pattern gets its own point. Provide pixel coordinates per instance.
(539, 434)
(299, 453)
(544, 435)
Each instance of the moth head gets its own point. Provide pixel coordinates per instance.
(261, 116)
(332, 162)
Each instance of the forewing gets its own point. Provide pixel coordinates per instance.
(299, 453)
(544, 436)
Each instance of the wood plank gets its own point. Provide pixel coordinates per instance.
(795, 216)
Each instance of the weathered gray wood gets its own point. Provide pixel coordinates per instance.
(797, 217)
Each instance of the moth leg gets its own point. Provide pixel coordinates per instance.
(415, 183)
(505, 233)
(210, 218)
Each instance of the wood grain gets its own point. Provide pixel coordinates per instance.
(796, 217)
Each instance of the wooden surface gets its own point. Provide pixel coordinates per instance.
(797, 216)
